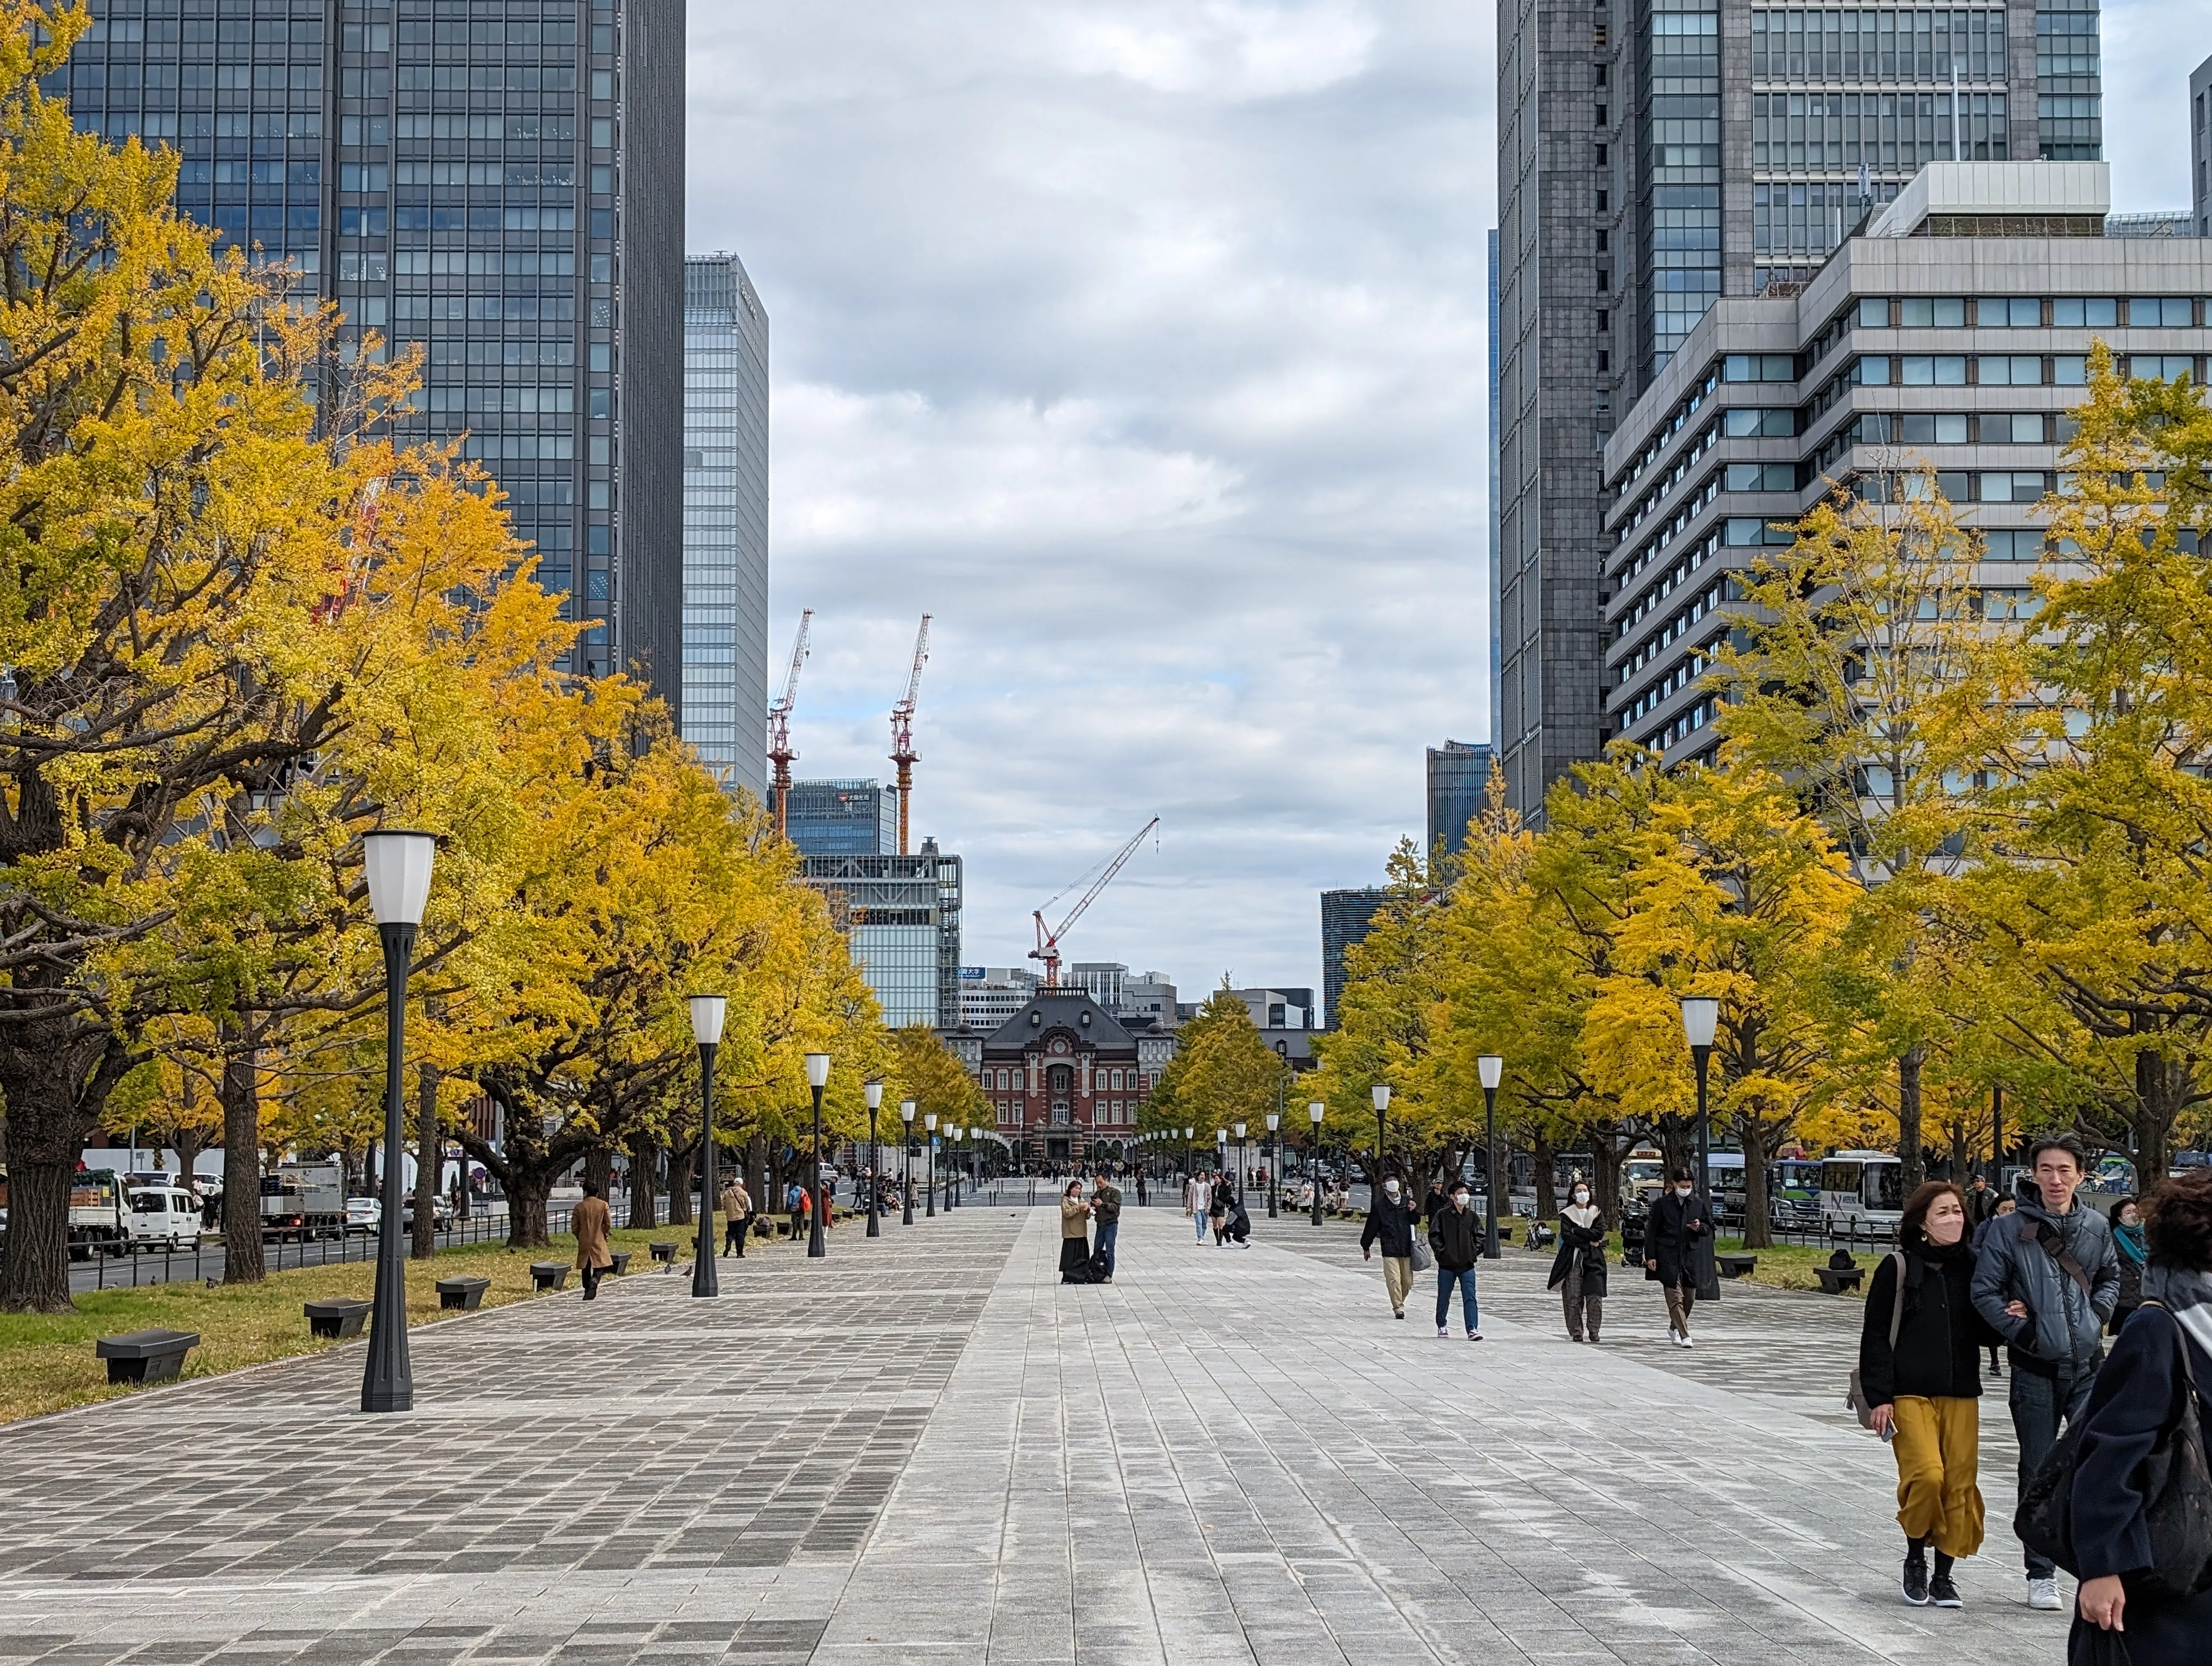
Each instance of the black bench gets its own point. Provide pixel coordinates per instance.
(665, 1253)
(342, 1317)
(146, 1356)
(551, 1274)
(464, 1293)
(1837, 1280)
(621, 1260)
(1734, 1267)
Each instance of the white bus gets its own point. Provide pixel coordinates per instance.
(1862, 1194)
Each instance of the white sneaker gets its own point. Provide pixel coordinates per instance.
(1444, 1330)
(2044, 1594)
(1687, 1342)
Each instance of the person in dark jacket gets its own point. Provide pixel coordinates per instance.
(1679, 1219)
(1390, 1229)
(1459, 1237)
(2136, 1400)
(1223, 1204)
(1106, 1211)
(2134, 1253)
(1578, 1269)
(1981, 1202)
(2045, 1279)
(2005, 1206)
(1926, 1390)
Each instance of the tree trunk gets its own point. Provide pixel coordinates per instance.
(37, 1266)
(54, 1082)
(188, 1149)
(1962, 1159)
(681, 1161)
(1908, 1118)
(1547, 1190)
(1758, 1207)
(429, 1163)
(599, 1169)
(644, 1154)
(242, 1261)
(528, 1185)
(2162, 1089)
(756, 1160)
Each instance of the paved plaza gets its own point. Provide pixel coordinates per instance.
(926, 1449)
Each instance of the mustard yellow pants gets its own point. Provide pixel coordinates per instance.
(1397, 1278)
(1937, 1447)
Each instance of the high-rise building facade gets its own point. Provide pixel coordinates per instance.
(901, 915)
(1654, 157)
(2200, 146)
(842, 817)
(499, 182)
(725, 520)
(1346, 917)
(1458, 779)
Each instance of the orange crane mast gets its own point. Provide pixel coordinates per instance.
(903, 753)
(779, 723)
(1047, 942)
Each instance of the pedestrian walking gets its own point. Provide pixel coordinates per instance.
(2136, 1404)
(591, 1222)
(1074, 1236)
(796, 1201)
(2046, 1279)
(1578, 1269)
(1106, 1210)
(736, 1217)
(1197, 1199)
(1218, 1210)
(1458, 1236)
(2004, 1207)
(1390, 1229)
(1920, 1352)
(2129, 1244)
(1679, 1219)
(1982, 1202)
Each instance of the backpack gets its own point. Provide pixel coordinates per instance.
(2177, 1489)
(1855, 1398)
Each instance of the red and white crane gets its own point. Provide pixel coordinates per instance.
(1047, 941)
(778, 722)
(903, 753)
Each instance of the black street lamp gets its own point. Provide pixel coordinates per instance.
(1996, 1135)
(1491, 1070)
(1240, 1165)
(1189, 1149)
(952, 1133)
(707, 1013)
(929, 1123)
(1381, 1108)
(1274, 1160)
(906, 1176)
(1316, 1110)
(1221, 1151)
(875, 1092)
(1700, 1014)
(818, 1077)
(397, 866)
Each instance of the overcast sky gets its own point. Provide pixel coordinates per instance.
(1142, 342)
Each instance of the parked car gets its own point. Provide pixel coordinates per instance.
(363, 1215)
(442, 1212)
(163, 1217)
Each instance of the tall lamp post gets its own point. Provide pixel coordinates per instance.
(706, 1011)
(905, 1178)
(1240, 1165)
(929, 1156)
(818, 1077)
(1190, 1150)
(1316, 1110)
(1996, 1135)
(397, 866)
(1382, 1109)
(1274, 1158)
(875, 1092)
(1221, 1151)
(1700, 1014)
(1491, 1070)
(953, 1165)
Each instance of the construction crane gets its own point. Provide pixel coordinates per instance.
(903, 753)
(1047, 948)
(778, 722)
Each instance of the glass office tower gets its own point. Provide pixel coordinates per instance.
(498, 181)
(725, 520)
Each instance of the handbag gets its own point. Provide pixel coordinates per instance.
(1424, 1259)
(2177, 1491)
(1854, 1397)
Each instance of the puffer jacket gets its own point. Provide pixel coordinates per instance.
(2064, 1324)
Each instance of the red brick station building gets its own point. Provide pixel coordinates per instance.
(1064, 1079)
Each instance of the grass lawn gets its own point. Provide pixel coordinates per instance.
(46, 1360)
(1790, 1266)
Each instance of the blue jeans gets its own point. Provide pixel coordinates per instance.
(1198, 1221)
(1446, 1279)
(2038, 1403)
(1102, 1242)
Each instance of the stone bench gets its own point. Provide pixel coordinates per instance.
(1735, 1267)
(341, 1317)
(620, 1258)
(145, 1356)
(464, 1293)
(551, 1274)
(665, 1253)
(1837, 1280)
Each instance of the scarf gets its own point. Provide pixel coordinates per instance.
(1584, 1215)
(2187, 1295)
(2131, 1245)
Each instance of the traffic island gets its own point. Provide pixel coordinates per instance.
(146, 1356)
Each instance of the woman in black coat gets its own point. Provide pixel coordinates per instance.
(2136, 1400)
(1678, 1222)
(1578, 1270)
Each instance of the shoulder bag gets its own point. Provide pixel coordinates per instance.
(1424, 1259)
(2177, 1491)
(1855, 1396)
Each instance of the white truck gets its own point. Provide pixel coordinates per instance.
(164, 1218)
(98, 1214)
(303, 1202)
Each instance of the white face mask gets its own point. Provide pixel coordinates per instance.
(1459, 1198)
(1580, 1196)
(1681, 1191)
(1390, 1189)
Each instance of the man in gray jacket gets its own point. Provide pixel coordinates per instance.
(2047, 1280)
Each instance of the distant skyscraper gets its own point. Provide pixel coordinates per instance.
(1654, 158)
(843, 818)
(499, 183)
(1458, 776)
(1346, 916)
(725, 520)
(2200, 146)
(901, 914)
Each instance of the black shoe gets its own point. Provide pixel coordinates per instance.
(1943, 1593)
(1914, 1579)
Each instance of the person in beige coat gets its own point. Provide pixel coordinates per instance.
(590, 1223)
(738, 1218)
